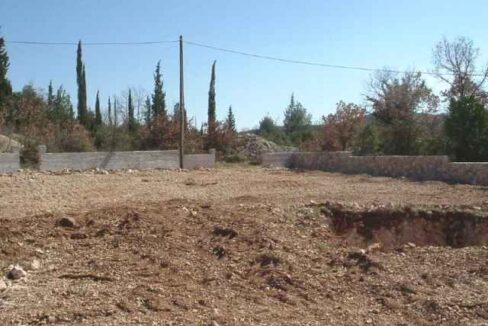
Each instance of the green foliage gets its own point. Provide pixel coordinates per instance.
(61, 109)
(147, 111)
(467, 129)
(397, 103)
(297, 122)
(98, 112)
(81, 82)
(230, 121)
(367, 141)
(109, 112)
(158, 96)
(296, 117)
(212, 115)
(269, 130)
(5, 86)
(131, 123)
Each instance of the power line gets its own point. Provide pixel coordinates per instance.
(259, 56)
(317, 64)
(89, 43)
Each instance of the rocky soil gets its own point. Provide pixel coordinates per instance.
(251, 146)
(239, 246)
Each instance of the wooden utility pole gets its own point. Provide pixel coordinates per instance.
(182, 107)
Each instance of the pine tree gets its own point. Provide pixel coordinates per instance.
(158, 96)
(230, 122)
(130, 108)
(5, 86)
(98, 112)
(212, 118)
(81, 82)
(109, 112)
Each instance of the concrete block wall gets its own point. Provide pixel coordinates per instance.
(414, 167)
(109, 160)
(195, 161)
(9, 162)
(122, 160)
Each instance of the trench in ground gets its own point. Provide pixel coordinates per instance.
(393, 227)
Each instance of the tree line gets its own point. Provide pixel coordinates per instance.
(402, 115)
(131, 121)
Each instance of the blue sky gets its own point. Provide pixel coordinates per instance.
(376, 34)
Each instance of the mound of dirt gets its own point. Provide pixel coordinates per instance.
(182, 262)
(9, 145)
(251, 146)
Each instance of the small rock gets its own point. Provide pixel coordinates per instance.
(374, 247)
(411, 245)
(16, 272)
(214, 323)
(3, 285)
(39, 251)
(36, 264)
(67, 222)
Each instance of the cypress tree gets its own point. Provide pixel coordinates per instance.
(159, 96)
(81, 82)
(98, 112)
(50, 95)
(109, 112)
(231, 121)
(5, 86)
(212, 119)
(130, 108)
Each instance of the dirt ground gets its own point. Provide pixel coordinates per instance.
(239, 246)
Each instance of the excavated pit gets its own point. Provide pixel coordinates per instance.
(396, 226)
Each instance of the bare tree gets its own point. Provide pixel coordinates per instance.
(139, 95)
(455, 64)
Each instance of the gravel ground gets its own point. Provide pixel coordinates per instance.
(230, 246)
(31, 193)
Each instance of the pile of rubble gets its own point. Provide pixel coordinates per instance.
(251, 146)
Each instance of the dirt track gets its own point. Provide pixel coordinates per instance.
(233, 246)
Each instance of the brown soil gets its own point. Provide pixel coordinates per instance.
(241, 246)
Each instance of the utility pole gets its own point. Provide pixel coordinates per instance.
(182, 107)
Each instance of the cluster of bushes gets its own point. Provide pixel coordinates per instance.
(402, 115)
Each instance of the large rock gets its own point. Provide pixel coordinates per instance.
(252, 146)
(9, 145)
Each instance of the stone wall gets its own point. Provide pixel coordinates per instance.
(413, 167)
(9, 162)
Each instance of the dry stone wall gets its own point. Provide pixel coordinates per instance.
(413, 167)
